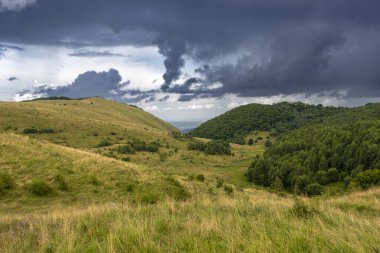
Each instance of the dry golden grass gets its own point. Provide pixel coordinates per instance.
(253, 221)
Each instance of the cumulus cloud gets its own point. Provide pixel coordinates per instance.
(15, 5)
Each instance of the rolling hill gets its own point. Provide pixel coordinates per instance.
(145, 191)
(81, 123)
(282, 117)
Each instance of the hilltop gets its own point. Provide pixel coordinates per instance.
(279, 118)
(81, 122)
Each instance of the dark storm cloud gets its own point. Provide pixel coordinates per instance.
(92, 53)
(107, 84)
(289, 46)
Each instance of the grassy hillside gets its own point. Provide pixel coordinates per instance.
(251, 221)
(60, 191)
(82, 123)
(46, 175)
(282, 117)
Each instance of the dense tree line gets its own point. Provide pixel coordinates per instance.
(279, 118)
(214, 147)
(305, 159)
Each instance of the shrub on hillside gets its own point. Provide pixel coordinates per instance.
(314, 189)
(201, 177)
(367, 179)
(250, 141)
(104, 143)
(126, 149)
(228, 189)
(38, 131)
(139, 145)
(40, 188)
(6, 183)
(214, 147)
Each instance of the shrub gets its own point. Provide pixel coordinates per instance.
(299, 183)
(6, 183)
(104, 143)
(126, 149)
(314, 189)
(200, 177)
(40, 188)
(250, 141)
(126, 159)
(228, 189)
(217, 147)
(30, 131)
(38, 131)
(367, 179)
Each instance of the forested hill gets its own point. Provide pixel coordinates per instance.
(257, 117)
(280, 117)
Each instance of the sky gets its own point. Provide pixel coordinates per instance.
(190, 60)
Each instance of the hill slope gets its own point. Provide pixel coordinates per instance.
(281, 117)
(45, 175)
(82, 123)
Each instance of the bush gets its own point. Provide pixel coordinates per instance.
(228, 189)
(38, 131)
(367, 179)
(126, 149)
(314, 189)
(214, 147)
(6, 183)
(250, 141)
(30, 131)
(142, 146)
(40, 188)
(200, 178)
(104, 143)
(300, 183)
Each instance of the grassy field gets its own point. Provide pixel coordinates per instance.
(60, 192)
(251, 221)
